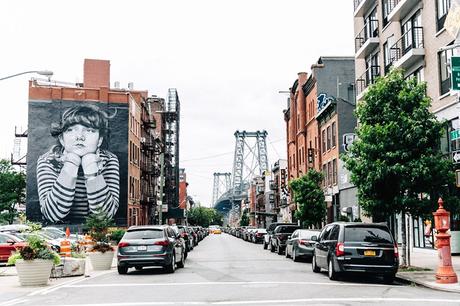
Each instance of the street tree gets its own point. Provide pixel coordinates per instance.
(204, 216)
(309, 195)
(244, 221)
(12, 191)
(396, 162)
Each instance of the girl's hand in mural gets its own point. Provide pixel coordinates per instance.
(71, 159)
(89, 164)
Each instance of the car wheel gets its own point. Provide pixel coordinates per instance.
(294, 255)
(330, 270)
(181, 263)
(286, 253)
(138, 268)
(314, 267)
(389, 278)
(170, 268)
(279, 250)
(122, 270)
(272, 248)
(265, 245)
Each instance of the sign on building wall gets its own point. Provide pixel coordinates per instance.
(76, 161)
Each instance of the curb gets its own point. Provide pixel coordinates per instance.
(410, 280)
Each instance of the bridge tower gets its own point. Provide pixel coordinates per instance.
(250, 160)
(222, 183)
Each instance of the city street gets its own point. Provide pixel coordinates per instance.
(224, 270)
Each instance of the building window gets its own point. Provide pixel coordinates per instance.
(325, 175)
(387, 7)
(323, 134)
(328, 138)
(334, 135)
(442, 7)
(334, 171)
(329, 173)
(444, 72)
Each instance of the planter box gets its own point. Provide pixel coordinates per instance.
(101, 261)
(34, 272)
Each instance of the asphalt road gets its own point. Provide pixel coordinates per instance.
(224, 270)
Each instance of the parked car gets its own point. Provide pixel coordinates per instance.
(8, 245)
(280, 236)
(300, 244)
(186, 236)
(150, 245)
(267, 237)
(356, 247)
(257, 235)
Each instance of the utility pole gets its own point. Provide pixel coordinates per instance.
(162, 181)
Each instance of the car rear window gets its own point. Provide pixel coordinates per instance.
(287, 229)
(144, 234)
(308, 234)
(367, 234)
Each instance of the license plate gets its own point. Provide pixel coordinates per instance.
(142, 248)
(369, 253)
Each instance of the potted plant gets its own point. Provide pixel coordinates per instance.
(34, 262)
(101, 253)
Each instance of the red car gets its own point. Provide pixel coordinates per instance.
(8, 245)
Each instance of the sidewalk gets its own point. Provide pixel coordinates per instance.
(428, 259)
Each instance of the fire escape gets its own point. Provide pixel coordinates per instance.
(150, 148)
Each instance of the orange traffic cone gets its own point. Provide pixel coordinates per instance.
(65, 248)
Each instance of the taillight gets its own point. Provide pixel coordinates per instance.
(123, 244)
(396, 252)
(304, 242)
(162, 242)
(258, 234)
(339, 249)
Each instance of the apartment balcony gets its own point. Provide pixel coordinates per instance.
(408, 49)
(401, 8)
(362, 6)
(368, 39)
(367, 78)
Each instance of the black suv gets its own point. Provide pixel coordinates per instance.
(268, 236)
(280, 236)
(356, 247)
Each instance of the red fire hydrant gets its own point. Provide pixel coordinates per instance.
(445, 273)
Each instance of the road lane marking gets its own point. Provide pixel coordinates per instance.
(277, 302)
(47, 290)
(13, 302)
(226, 284)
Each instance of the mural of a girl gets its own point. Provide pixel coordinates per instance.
(76, 177)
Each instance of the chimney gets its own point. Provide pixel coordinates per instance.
(302, 77)
(96, 73)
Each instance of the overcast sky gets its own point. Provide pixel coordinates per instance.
(227, 59)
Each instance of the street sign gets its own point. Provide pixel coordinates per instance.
(456, 156)
(455, 64)
(455, 135)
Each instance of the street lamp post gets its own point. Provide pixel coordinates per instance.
(40, 72)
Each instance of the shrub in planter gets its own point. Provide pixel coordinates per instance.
(34, 261)
(116, 235)
(101, 254)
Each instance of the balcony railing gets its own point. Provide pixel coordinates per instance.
(412, 39)
(367, 78)
(370, 30)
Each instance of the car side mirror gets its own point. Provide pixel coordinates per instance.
(314, 238)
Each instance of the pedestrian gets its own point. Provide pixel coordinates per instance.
(75, 177)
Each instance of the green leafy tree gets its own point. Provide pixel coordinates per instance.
(204, 216)
(310, 198)
(244, 221)
(12, 191)
(396, 163)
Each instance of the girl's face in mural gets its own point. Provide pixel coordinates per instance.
(80, 139)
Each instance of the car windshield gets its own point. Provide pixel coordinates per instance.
(367, 234)
(144, 234)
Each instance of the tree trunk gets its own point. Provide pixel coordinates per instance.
(403, 238)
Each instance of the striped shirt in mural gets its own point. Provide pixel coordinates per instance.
(59, 202)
